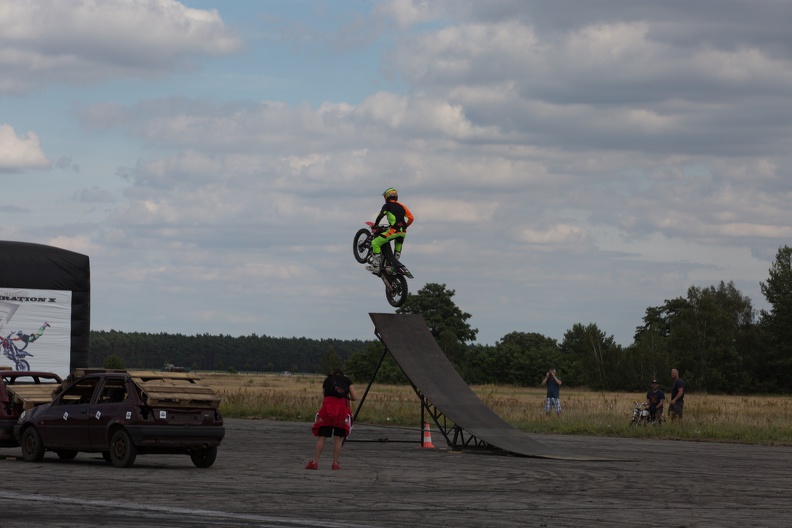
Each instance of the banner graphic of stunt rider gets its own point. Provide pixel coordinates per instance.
(35, 329)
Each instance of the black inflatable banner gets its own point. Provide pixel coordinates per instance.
(45, 307)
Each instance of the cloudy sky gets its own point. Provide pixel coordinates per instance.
(566, 162)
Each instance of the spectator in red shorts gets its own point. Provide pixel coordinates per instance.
(334, 417)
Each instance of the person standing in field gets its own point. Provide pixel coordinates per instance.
(677, 402)
(553, 384)
(334, 417)
(654, 399)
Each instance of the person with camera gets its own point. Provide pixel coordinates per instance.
(553, 383)
(655, 398)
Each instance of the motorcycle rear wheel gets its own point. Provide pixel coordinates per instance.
(397, 293)
(361, 246)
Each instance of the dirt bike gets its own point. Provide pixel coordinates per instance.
(15, 354)
(392, 272)
(642, 416)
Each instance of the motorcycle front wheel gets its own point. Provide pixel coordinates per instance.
(23, 365)
(397, 292)
(361, 246)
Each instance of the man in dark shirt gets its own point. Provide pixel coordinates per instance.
(675, 406)
(654, 399)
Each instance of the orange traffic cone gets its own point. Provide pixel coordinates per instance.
(427, 438)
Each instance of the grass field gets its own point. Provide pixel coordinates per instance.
(716, 418)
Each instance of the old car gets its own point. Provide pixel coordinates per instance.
(121, 414)
(20, 391)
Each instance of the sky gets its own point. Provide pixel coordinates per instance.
(566, 162)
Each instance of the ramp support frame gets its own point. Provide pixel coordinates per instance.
(456, 437)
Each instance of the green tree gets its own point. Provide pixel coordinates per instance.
(330, 361)
(207, 351)
(361, 366)
(114, 362)
(649, 356)
(476, 365)
(706, 335)
(646, 359)
(776, 370)
(706, 341)
(589, 358)
(520, 358)
(447, 323)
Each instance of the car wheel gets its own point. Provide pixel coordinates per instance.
(122, 450)
(32, 445)
(204, 457)
(66, 454)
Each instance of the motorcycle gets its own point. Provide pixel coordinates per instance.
(15, 354)
(642, 416)
(392, 272)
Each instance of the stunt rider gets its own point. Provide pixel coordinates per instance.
(29, 338)
(399, 219)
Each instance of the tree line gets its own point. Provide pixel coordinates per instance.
(253, 353)
(712, 335)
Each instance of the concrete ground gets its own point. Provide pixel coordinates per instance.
(259, 481)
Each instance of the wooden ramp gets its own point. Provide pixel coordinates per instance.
(464, 420)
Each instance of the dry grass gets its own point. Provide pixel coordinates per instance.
(743, 419)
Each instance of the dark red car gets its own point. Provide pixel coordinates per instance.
(122, 414)
(19, 391)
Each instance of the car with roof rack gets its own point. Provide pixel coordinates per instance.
(21, 390)
(122, 414)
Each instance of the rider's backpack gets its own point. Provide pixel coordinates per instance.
(339, 387)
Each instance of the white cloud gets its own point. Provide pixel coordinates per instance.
(20, 153)
(95, 195)
(558, 234)
(90, 40)
(609, 45)
(470, 54)
(80, 244)
(406, 13)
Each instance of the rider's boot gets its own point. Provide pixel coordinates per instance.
(376, 260)
(404, 270)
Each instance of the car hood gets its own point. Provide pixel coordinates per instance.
(29, 415)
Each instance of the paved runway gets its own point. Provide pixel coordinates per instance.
(259, 481)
